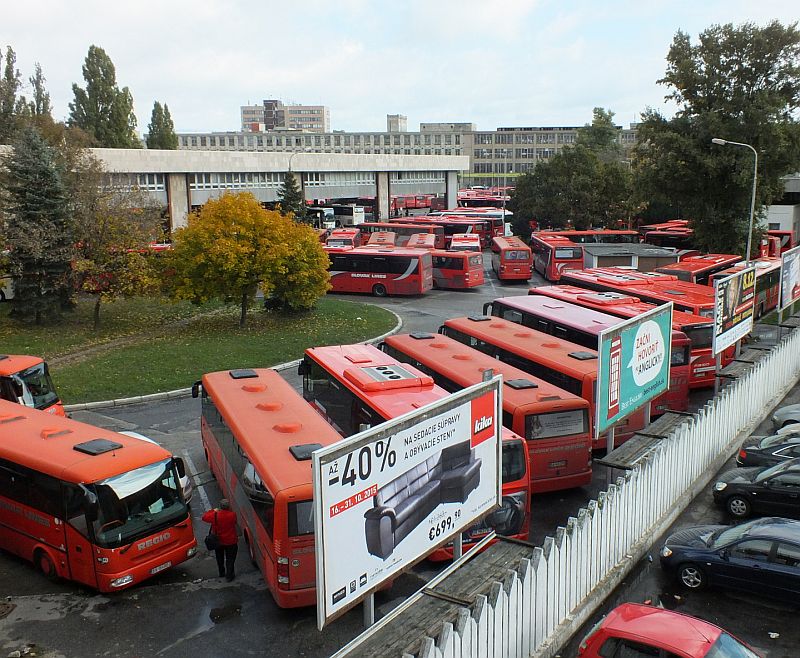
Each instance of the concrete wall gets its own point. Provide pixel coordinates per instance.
(178, 200)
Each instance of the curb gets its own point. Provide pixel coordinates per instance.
(186, 392)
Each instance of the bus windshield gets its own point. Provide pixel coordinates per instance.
(513, 461)
(567, 253)
(137, 503)
(38, 390)
(700, 336)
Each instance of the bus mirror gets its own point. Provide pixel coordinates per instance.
(196, 389)
(180, 467)
(302, 368)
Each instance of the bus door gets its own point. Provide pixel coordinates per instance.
(80, 553)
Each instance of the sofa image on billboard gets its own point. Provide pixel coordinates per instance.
(402, 504)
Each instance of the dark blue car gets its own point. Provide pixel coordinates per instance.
(760, 556)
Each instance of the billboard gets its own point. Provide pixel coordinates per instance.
(790, 277)
(388, 496)
(633, 365)
(734, 298)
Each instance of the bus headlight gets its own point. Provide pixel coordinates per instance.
(121, 582)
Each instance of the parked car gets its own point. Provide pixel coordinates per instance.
(769, 450)
(786, 416)
(632, 629)
(771, 490)
(761, 556)
(183, 476)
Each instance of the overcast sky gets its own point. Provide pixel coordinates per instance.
(509, 63)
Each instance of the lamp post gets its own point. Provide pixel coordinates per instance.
(723, 142)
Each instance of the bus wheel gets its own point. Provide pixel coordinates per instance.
(379, 290)
(44, 564)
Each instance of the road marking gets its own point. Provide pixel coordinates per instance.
(199, 488)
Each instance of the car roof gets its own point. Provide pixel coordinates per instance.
(775, 527)
(672, 629)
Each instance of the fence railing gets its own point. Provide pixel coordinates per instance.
(554, 588)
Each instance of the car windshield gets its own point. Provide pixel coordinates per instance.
(769, 472)
(729, 647)
(137, 503)
(776, 439)
(725, 536)
(38, 390)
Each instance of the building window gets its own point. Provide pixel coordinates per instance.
(504, 138)
(194, 141)
(482, 138)
(546, 138)
(407, 140)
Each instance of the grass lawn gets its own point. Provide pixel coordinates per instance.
(161, 358)
(772, 318)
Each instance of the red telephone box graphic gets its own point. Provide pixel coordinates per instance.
(614, 376)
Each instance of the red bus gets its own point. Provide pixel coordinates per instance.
(597, 236)
(451, 225)
(422, 241)
(768, 282)
(652, 287)
(26, 380)
(696, 328)
(569, 366)
(677, 238)
(582, 326)
(87, 504)
(337, 382)
(405, 231)
(381, 271)
(511, 259)
(552, 254)
(698, 269)
(554, 423)
(344, 237)
(498, 216)
(465, 242)
(258, 434)
(457, 269)
(382, 239)
(786, 239)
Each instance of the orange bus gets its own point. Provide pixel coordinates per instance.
(583, 326)
(258, 435)
(457, 269)
(554, 423)
(568, 366)
(344, 237)
(405, 231)
(697, 329)
(26, 379)
(511, 259)
(465, 242)
(652, 287)
(87, 504)
(700, 267)
(381, 272)
(768, 282)
(597, 236)
(422, 241)
(340, 382)
(552, 254)
(452, 224)
(382, 239)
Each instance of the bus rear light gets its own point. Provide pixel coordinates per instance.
(121, 582)
(283, 572)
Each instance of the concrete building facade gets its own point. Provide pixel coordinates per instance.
(274, 114)
(396, 123)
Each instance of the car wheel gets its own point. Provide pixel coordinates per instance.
(379, 290)
(44, 564)
(691, 576)
(739, 507)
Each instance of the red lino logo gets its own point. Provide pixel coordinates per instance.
(482, 418)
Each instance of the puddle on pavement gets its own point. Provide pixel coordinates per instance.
(219, 615)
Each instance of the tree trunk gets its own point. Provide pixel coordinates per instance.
(243, 316)
(97, 312)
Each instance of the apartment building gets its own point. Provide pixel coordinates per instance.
(274, 114)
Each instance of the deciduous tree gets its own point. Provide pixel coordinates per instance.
(38, 231)
(102, 109)
(740, 83)
(233, 247)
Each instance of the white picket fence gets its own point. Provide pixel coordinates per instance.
(548, 593)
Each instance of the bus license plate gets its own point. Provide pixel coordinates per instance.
(160, 567)
(558, 464)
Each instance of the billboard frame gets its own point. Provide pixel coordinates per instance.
(323, 458)
(794, 254)
(745, 278)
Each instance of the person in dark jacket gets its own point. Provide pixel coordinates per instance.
(224, 525)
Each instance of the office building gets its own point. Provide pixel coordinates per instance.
(396, 123)
(274, 114)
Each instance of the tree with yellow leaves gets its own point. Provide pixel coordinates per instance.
(233, 247)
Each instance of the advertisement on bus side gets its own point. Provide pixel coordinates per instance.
(633, 365)
(734, 297)
(388, 496)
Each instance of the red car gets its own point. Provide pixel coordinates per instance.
(632, 629)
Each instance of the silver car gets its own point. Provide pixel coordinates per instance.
(786, 416)
(183, 476)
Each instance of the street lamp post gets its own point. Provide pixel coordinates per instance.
(723, 142)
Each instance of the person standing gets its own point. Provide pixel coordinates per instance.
(224, 525)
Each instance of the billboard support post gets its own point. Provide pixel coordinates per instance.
(610, 440)
(458, 546)
(717, 368)
(369, 610)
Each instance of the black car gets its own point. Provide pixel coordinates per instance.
(760, 556)
(775, 490)
(769, 450)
